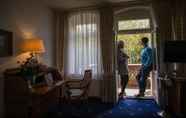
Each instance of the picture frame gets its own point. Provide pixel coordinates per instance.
(6, 43)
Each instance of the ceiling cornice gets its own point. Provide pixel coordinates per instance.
(106, 4)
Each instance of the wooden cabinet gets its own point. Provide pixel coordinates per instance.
(16, 97)
(23, 102)
(177, 96)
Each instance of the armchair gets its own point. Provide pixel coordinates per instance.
(78, 89)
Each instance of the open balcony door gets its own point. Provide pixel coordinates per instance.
(154, 73)
(117, 77)
(154, 80)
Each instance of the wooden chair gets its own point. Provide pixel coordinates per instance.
(78, 89)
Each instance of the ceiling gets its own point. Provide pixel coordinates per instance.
(67, 4)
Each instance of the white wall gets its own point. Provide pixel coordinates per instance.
(26, 19)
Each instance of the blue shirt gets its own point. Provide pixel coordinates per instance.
(146, 56)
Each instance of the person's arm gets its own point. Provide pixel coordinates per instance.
(125, 55)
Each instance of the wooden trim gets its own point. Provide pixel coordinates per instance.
(105, 4)
(88, 8)
(136, 31)
(131, 3)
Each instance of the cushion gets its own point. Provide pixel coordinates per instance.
(76, 92)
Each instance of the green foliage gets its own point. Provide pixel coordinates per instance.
(133, 46)
(134, 24)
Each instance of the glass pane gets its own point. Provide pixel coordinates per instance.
(133, 46)
(134, 24)
(88, 28)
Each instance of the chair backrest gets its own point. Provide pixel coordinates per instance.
(87, 78)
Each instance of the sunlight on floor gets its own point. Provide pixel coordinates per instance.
(133, 92)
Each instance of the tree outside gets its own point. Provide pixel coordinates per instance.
(133, 46)
(131, 32)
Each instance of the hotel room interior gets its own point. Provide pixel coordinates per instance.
(58, 58)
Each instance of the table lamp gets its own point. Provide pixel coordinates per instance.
(34, 46)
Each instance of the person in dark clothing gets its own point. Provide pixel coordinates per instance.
(122, 61)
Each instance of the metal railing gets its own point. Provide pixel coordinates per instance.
(133, 70)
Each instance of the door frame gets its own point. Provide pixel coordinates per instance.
(154, 86)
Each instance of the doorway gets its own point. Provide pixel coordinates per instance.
(130, 27)
(132, 49)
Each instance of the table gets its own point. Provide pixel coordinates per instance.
(22, 101)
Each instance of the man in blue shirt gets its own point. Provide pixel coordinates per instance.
(146, 66)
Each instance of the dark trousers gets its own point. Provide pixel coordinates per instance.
(124, 81)
(142, 77)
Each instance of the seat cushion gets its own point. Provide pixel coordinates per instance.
(76, 92)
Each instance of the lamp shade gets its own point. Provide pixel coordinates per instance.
(33, 45)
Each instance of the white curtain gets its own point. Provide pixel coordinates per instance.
(83, 45)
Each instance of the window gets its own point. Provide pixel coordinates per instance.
(134, 24)
(84, 50)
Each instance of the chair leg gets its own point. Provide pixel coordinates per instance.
(85, 99)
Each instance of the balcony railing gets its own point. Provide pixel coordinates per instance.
(133, 71)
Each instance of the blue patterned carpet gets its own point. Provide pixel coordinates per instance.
(126, 108)
(133, 108)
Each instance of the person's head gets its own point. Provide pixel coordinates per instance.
(144, 41)
(120, 44)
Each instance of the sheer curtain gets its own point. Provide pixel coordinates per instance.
(83, 45)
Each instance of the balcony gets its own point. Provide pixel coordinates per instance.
(132, 86)
(133, 71)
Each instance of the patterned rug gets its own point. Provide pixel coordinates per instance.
(134, 108)
(125, 108)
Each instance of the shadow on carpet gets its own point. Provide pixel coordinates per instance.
(125, 108)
